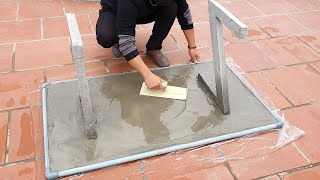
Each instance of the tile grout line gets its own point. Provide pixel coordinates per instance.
(279, 14)
(19, 162)
(225, 162)
(301, 63)
(6, 157)
(45, 79)
(298, 37)
(144, 177)
(90, 22)
(175, 40)
(292, 5)
(267, 177)
(41, 29)
(30, 19)
(288, 15)
(255, 8)
(39, 68)
(13, 57)
(261, 49)
(20, 108)
(318, 72)
(297, 169)
(301, 152)
(300, 105)
(286, 98)
(36, 40)
(279, 177)
(63, 8)
(18, 10)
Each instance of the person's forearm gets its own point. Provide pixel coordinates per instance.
(138, 64)
(189, 34)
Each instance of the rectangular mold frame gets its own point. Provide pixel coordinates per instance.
(54, 175)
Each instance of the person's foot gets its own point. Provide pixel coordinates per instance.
(116, 51)
(159, 58)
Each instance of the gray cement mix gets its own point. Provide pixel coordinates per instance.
(130, 124)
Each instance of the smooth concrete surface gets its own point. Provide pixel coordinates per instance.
(130, 124)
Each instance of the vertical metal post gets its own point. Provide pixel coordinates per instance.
(219, 16)
(220, 67)
(78, 58)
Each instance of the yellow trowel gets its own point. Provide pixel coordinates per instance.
(171, 92)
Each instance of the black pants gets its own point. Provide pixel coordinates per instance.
(163, 17)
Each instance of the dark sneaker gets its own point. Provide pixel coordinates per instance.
(115, 50)
(159, 58)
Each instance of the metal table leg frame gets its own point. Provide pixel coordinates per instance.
(218, 16)
(78, 58)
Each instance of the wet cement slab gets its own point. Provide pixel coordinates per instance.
(129, 124)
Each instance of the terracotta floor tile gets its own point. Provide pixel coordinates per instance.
(80, 7)
(305, 5)
(84, 24)
(37, 121)
(254, 32)
(6, 53)
(129, 171)
(182, 57)
(30, 9)
(8, 11)
(307, 119)
(254, 60)
(93, 51)
(254, 162)
(200, 12)
(143, 36)
(190, 164)
(202, 34)
(311, 20)
(266, 91)
(44, 53)
(27, 170)
(94, 19)
(3, 135)
(313, 41)
(22, 138)
(217, 172)
(300, 84)
(240, 8)
(288, 50)
(280, 25)
(55, 27)
(58, 26)
(68, 72)
(316, 66)
(310, 174)
(273, 6)
(16, 87)
(15, 31)
(117, 66)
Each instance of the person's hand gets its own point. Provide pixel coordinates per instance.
(154, 82)
(194, 55)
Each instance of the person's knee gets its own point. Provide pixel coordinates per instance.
(106, 40)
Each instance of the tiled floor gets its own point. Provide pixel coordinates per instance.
(280, 59)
